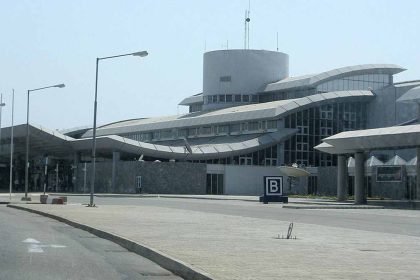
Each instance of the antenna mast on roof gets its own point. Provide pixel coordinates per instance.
(247, 20)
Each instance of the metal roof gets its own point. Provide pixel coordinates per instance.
(411, 96)
(373, 161)
(314, 80)
(269, 110)
(396, 160)
(198, 98)
(44, 141)
(394, 137)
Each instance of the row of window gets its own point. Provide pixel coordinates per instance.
(264, 157)
(235, 128)
(315, 124)
(230, 98)
(362, 82)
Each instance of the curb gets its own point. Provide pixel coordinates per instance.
(173, 265)
(209, 198)
(331, 207)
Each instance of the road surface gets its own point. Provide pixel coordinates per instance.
(35, 247)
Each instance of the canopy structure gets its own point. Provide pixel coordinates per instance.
(44, 141)
(359, 141)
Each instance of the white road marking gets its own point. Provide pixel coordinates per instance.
(31, 240)
(35, 246)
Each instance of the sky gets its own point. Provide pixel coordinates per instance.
(48, 42)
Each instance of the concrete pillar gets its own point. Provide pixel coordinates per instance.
(359, 179)
(115, 159)
(342, 178)
(418, 174)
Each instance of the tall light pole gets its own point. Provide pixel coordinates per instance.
(27, 138)
(92, 185)
(11, 148)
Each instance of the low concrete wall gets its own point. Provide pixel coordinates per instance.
(249, 180)
(327, 180)
(157, 177)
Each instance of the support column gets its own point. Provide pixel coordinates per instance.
(342, 178)
(418, 174)
(115, 159)
(359, 179)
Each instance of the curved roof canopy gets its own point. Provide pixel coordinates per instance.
(269, 110)
(45, 141)
(394, 137)
(411, 96)
(314, 80)
(197, 98)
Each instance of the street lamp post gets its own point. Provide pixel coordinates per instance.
(27, 139)
(92, 185)
(11, 147)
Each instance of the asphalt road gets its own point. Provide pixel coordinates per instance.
(35, 247)
(381, 220)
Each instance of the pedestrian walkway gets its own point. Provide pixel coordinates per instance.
(235, 247)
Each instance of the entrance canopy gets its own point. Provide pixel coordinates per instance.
(394, 137)
(44, 141)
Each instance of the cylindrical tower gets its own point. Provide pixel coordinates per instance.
(233, 77)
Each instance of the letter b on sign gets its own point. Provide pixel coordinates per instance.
(273, 185)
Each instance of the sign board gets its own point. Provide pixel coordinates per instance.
(389, 174)
(273, 185)
(138, 185)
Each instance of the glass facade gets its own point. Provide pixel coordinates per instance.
(230, 98)
(317, 123)
(361, 82)
(205, 131)
(263, 157)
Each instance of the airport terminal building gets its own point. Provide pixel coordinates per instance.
(251, 119)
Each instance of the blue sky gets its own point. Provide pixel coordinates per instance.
(49, 42)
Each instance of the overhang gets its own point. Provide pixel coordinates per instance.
(260, 111)
(314, 80)
(395, 137)
(48, 142)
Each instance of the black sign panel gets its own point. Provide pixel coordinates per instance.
(273, 185)
(389, 174)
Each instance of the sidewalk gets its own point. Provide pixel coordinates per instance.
(234, 247)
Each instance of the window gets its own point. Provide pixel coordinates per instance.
(182, 133)
(254, 98)
(225, 79)
(223, 129)
(303, 129)
(228, 97)
(222, 98)
(270, 162)
(235, 127)
(192, 131)
(271, 124)
(214, 98)
(238, 98)
(156, 134)
(253, 126)
(244, 160)
(245, 98)
(205, 130)
(165, 134)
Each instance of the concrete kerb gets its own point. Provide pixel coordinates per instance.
(175, 266)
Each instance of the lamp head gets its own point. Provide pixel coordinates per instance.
(60, 85)
(141, 54)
